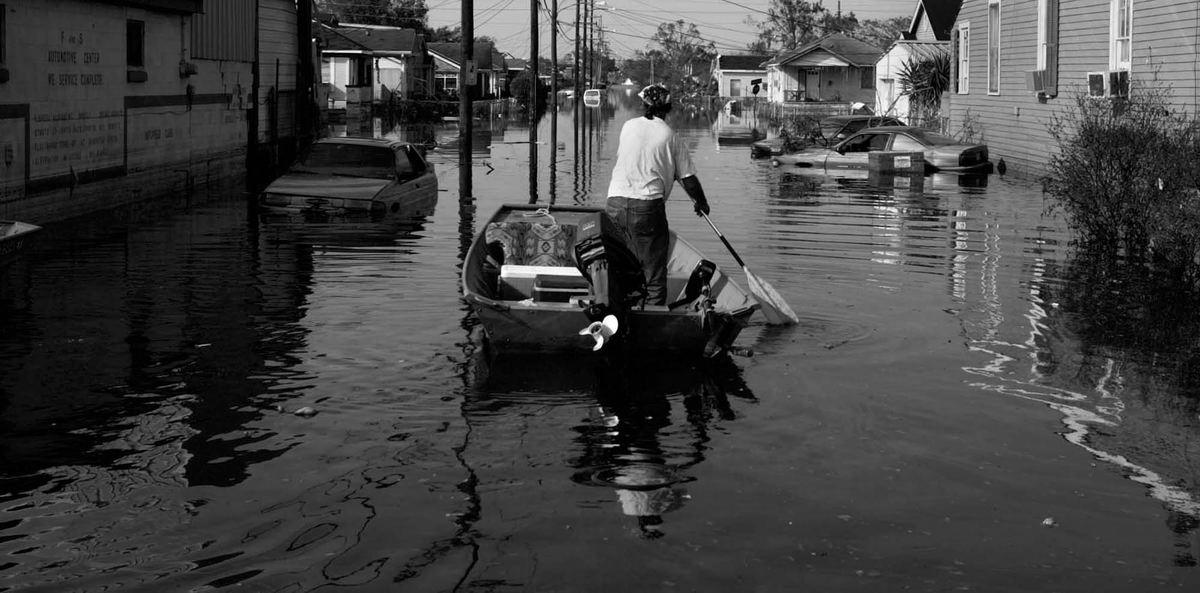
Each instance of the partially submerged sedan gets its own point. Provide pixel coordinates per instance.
(339, 176)
(828, 131)
(942, 153)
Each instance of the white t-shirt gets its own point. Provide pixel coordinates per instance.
(650, 159)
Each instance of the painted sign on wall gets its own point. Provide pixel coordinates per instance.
(81, 125)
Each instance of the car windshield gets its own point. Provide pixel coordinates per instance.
(348, 159)
(932, 138)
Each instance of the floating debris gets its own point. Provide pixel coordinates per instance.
(1049, 522)
(306, 412)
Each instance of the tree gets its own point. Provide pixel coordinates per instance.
(882, 33)
(686, 56)
(838, 22)
(445, 34)
(410, 14)
(528, 92)
(644, 67)
(791, 24)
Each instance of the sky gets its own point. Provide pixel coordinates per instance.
(629, 24)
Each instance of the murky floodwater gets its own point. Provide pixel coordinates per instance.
(963, 405)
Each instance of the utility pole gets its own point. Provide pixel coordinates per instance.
(533, 66)
(533, 99)
(554, 56)
(553, 97)
(466, 80)
(575, 70)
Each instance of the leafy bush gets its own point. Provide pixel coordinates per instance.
(524, 89)
(799, 133)
(1126, 177)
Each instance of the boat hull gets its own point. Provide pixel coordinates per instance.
(707, 326)
(545, 328)
(13, 237)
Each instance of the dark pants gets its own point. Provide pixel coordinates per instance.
(646, 235)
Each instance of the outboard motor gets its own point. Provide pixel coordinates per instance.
(614, 272)
(698, 284)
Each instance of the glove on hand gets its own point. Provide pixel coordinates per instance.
(701, 207)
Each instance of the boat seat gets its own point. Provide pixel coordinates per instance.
(518, 282)
(534, 244)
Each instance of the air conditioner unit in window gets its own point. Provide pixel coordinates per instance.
(1035, 80)
(1097, 86)
(1117, 84)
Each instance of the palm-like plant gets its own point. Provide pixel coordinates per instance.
(924, 79)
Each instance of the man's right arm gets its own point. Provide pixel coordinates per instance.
(692, 186)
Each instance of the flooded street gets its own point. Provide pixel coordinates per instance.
(963, 406)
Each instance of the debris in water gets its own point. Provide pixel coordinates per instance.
(1049, 522)
(742, 351)
(306, 412)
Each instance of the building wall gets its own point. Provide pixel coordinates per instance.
(278, 52)
(888, 87)
(1014, 122)
(78, 133)
(724, 78)
(888, 100)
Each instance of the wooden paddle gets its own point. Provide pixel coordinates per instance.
(771, 304)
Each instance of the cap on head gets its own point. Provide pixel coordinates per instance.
(655, 95)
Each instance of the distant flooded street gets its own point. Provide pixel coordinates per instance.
(965, 404)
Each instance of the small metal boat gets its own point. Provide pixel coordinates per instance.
(13, 235)
(523, 280)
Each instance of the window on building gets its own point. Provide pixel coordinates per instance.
(361, 69)
(963, 63)
(1047, 45)
(735, 87)
(1121, 48)
(446, 82)
(135, 44)
(868, 77)
(993, 47)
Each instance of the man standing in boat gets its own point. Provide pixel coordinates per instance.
(651, 157)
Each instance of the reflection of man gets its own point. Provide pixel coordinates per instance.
(650, 159)
(649, 506)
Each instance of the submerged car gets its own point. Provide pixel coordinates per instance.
(338, 176)
(829, 130)
(592, 97)
(941, 153)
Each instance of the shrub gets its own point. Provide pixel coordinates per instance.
(524, 89)
(1125, 176)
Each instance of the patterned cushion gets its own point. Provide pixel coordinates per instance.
(511, 237)
(550, 245)
(531, 244)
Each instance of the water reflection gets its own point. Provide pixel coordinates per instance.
(1132, 335)
(646, 423)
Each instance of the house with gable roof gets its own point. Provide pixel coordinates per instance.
(384, 61)
(834, 68)
(1016, 64)
(736, 75)
(928, 36)
(490, 69)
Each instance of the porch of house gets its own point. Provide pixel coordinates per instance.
(793, 110)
